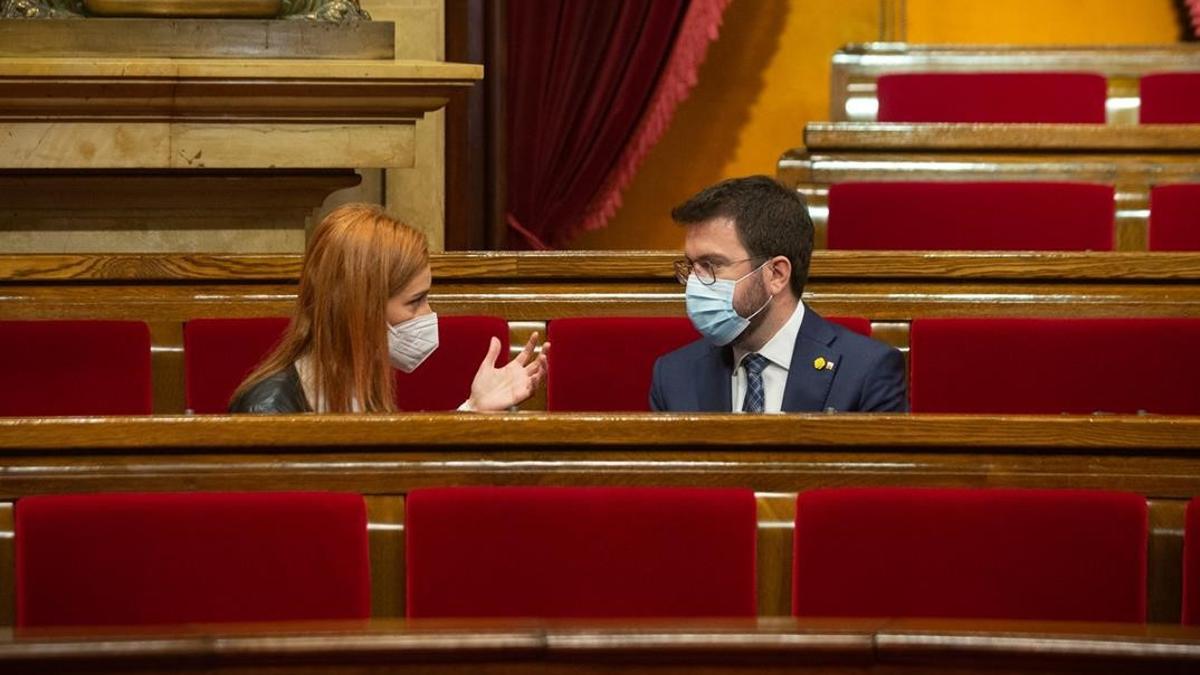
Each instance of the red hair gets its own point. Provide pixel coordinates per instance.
(358, 257)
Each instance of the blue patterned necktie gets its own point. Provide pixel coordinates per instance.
(754, 364)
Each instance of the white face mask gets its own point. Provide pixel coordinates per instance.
(411, 342)
(710, 307)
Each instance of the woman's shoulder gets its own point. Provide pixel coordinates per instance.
(278, 393)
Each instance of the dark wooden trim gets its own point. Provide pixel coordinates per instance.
(495, 85)
(466, 154)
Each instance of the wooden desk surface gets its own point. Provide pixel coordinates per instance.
(717, 646)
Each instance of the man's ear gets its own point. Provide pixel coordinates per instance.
(778, 272)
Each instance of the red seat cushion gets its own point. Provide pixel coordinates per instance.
(126, 559)
(607, 363)
(998, 554)
(580, 552)
(992, 97)
(443, 381)
(913, 215)
(75, 368)
(1175, 218)
(218, 354)
(1191, 564)
(1055, 366)
(1170, 98)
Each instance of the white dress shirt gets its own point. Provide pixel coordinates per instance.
(778, 352)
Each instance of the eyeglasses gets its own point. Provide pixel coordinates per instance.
(704, 270)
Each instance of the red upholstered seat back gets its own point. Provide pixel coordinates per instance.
(218, 354)
(1191, 564)
(1170, 98)
(992, 97)
(126, 559)
(580, 552)
(1003, 554)
(443, 382)
(915, 215)
(1055, 366)
(1175, 218)
(75, 368)
(607, 363)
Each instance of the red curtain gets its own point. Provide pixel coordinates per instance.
(591, 86)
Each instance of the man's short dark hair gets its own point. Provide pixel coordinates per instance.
(770, 219)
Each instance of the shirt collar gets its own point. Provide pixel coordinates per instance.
(779, 348)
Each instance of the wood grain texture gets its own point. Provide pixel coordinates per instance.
(712, 646)
(601, 266)
(1073, 138)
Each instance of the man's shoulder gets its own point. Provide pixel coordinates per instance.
(848, 340)
(697, 349)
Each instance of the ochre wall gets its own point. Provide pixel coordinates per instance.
(768, 74)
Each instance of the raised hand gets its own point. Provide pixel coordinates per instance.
(501, 388)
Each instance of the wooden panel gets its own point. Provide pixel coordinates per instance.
(1165, 560)
(776, 527)
(980, 137)
(197, 38)
(8, 566)
(692, 647)
(385, 534)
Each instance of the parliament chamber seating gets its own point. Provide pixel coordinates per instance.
(1052, 366)
(1191, 564)
(607, 363)
(75, 368)
(1175, 217)
(220, 353)
(1003, 554)
(1169, 98)
(998, 216)
(580, 552)
(173, 558)
(1012, 97)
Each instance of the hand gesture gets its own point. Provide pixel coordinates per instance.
(501, 388)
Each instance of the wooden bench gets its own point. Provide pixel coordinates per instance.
(530, 289)
(856, 67)
(775, 645)
(1132, 160)
(383, 457)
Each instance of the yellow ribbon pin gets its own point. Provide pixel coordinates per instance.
(819, 363)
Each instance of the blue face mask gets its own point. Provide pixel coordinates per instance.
(711, 309)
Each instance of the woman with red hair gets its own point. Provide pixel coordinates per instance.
(363, 310)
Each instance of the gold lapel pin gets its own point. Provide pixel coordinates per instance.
(819, 363)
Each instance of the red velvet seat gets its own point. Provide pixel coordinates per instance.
(992, 97)
(955, 553)
(218, 354)
(1170, 98)
(580, 552)
(964, 216)
(1055, 366)
(1191, 564)
(606, 363)
(75, 368)
(127, 559)
(443, 382)
(1175, 218)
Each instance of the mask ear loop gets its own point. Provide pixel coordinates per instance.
(769, 297)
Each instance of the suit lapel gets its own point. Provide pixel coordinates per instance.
(714, 390)
(808, 386)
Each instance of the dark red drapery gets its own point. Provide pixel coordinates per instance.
(591, 86)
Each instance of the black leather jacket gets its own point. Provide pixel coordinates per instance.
(279, 393)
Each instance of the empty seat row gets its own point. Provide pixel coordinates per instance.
(1000, 216)
(589, 552)
(986, 366)
(1030, 97)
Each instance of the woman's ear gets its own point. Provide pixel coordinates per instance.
(778, 271)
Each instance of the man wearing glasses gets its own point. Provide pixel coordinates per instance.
(748, 242)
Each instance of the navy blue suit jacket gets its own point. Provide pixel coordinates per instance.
(867, 375)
